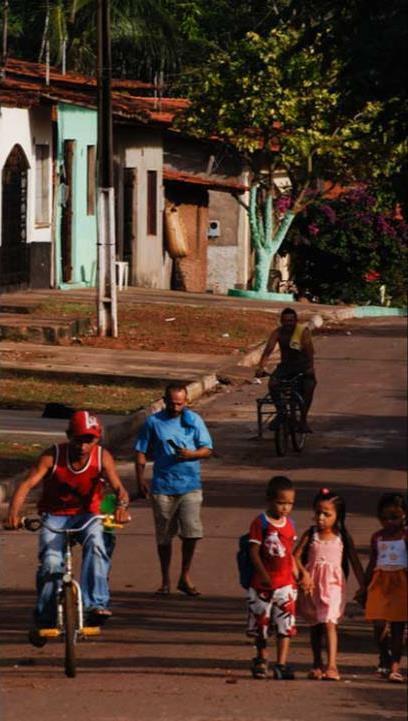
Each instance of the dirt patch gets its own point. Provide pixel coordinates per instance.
(25, 391)
(167, 327)
(186, 329)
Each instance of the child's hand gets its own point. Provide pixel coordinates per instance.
(361, 596)
(306, 583)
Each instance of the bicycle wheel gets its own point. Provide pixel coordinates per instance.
(69, 628)
(297, 436)
(281, 438)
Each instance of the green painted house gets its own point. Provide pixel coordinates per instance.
(75, 211)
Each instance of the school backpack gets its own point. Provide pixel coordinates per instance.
(245, 565)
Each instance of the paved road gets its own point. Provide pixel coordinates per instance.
(184, 659)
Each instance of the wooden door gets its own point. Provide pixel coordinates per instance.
(67, 211)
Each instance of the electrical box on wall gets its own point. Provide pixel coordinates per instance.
(214, 229)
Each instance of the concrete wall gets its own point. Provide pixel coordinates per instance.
(229, 253)
(143, 150)
(79, 124)
(28, 128)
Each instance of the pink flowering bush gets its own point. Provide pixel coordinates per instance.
(345, 249)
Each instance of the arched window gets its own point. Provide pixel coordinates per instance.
(14, 256)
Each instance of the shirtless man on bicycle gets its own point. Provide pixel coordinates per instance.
(297, 356)
(72, 475)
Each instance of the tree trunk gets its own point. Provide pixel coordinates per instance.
(264, 255)
(263, 260)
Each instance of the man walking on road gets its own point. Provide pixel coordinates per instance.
(177, 439)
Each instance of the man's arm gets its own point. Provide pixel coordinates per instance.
(142, 483)
(39, 470)
(198, 454)
(111, 475)
(268, 350)
(307, 345)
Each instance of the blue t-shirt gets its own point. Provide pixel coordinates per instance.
(172, 476)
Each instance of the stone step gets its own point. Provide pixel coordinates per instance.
(47, 331)
(20, 309)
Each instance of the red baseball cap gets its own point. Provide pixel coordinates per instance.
(83, 423)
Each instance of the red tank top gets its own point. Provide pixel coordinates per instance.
(66, 491)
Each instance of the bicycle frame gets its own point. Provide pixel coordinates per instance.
(288, 390)
(288, 414)
(67, 576)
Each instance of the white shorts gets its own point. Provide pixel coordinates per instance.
(271, 608)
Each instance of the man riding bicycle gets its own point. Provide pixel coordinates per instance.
(297, 357)
(72, 475)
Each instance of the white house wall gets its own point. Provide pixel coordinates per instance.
(28, 128)
(143, 150)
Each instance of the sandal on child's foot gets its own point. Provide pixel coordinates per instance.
(396, 677)
(283, 672)
(315, 674)
(259, 668)
(331, 674)
(162, 591)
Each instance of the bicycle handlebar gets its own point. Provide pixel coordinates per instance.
(34, 524)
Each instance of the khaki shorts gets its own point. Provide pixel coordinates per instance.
(177, 515)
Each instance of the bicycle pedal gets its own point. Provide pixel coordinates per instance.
(90, 631)
(49, 632)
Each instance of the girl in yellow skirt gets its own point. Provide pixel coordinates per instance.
(386, 582)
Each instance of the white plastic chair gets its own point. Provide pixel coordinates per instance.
(122, 274)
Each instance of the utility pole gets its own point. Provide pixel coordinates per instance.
(3, 61)
(106, 278)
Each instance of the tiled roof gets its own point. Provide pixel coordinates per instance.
(210, 182)
(24, 86)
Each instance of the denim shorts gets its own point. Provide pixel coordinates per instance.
(177, 514)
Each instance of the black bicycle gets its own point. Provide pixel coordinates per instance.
(287, 422)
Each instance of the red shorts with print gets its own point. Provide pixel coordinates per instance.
(268, 609)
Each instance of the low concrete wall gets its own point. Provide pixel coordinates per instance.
(373, 311)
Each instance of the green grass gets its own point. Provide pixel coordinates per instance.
(61, 309)
(24, 391)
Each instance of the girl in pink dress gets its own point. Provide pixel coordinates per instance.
(323, 555)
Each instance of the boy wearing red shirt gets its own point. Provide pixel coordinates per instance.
(71, 476)
(272, 593)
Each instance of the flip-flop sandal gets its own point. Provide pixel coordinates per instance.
(396, 677)
(315, 674)
(331, 676)
(162, 591)
(188, 590)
